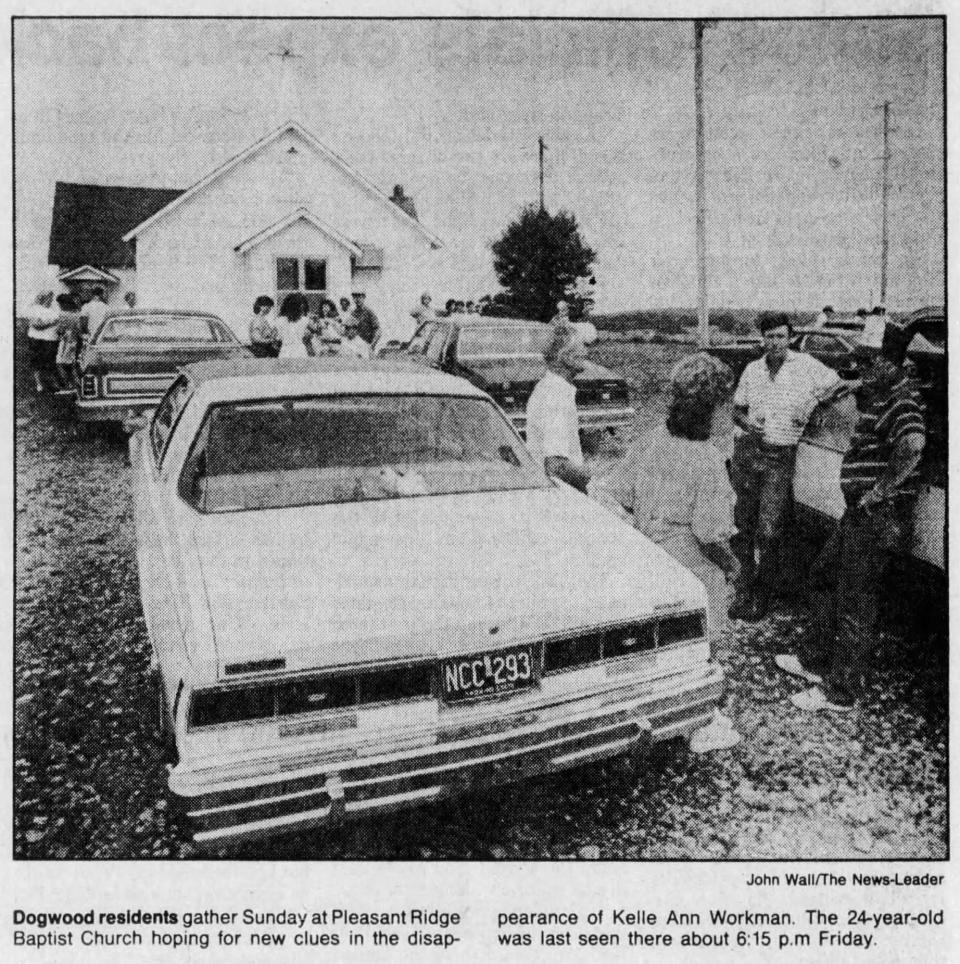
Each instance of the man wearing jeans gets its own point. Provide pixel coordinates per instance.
(773, 402)
(879, 478)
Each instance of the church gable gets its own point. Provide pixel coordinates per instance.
(287, 170)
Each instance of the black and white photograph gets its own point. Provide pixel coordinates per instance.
(483, 440)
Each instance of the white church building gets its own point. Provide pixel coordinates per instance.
(286, 214)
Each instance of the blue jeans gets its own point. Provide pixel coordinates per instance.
(762, 477)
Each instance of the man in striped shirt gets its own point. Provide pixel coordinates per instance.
(879, 478)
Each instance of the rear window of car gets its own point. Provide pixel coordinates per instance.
(501, 340)
(163, 328)
(301, 451)
(167, 415)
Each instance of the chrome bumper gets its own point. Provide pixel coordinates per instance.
(607, 419)
(224, 805)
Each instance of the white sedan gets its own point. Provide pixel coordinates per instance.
(362, 594)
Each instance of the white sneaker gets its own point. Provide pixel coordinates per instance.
(815, 699)
(793, 666)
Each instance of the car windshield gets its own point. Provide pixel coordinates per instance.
(497, 341)
(165, 328)
(351, 448)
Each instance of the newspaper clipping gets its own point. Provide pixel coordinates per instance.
(478, 484)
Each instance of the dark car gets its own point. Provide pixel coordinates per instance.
(132, 358)
(835, 349)
(504, 357)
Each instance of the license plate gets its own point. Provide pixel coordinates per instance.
(487, 674)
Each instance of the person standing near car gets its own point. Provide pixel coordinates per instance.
(675, 484)
(880, 480)
(69, 325)
(294, 335)
(773, 401)
(95, 310)
(553, 425)
(422, 312)
(43, 337)
(264, 337)
(368, 326)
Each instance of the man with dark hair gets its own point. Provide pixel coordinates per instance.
(264, 337)
(368, 327)
(553, 425)
(880, 480)
(774, 400)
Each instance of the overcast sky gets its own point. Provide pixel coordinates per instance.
(453, 109)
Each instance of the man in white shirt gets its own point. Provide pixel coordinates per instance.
(824, 318)
(43, 337)
(773, 402)
(95, 310)
(874, 325)
(422, 311)
(553, 426)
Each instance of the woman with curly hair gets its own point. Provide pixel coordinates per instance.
(674, 481)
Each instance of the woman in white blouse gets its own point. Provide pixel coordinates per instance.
(293, 320)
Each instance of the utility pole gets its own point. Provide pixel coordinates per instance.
(703, 312)
(543, 147)
(884, 235)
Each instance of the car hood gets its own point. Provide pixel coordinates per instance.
(400, 578)
(528, 371)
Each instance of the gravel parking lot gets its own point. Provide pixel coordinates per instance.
(90, 778)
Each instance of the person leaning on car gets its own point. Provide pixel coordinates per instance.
(879, 478)
(774, 399)
(553, 426)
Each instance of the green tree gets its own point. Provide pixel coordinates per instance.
(538, 260)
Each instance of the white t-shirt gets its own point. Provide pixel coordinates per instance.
(95, 311)
(873, 328)
(553, 427)
(44, 314)
(783, 404)
(292, 333)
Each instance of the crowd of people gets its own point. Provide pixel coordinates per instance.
(724, 520)
(54, 334)
(302, 330)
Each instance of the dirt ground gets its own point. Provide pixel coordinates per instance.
(90, 779)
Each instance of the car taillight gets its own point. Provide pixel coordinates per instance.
(89, 386)
(260, 701)
(620, 641)
(681, 629)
